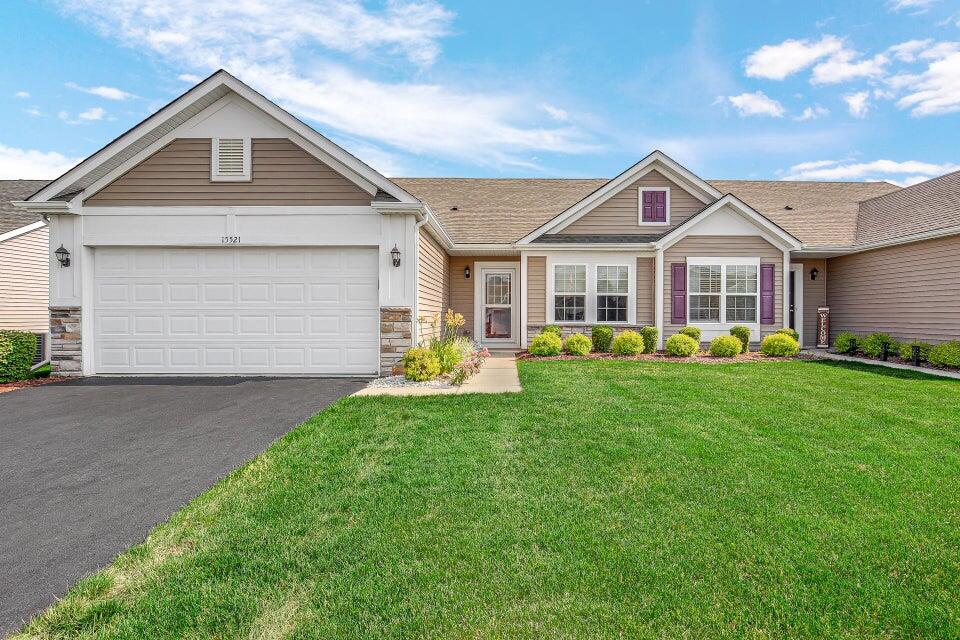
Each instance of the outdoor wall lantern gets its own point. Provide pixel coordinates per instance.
(466, 272)
(63, 256)
(395, 254)
(814, 273)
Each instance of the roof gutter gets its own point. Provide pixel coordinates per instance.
(49, 206)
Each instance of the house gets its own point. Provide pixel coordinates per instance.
(222, 235)
(24, 257)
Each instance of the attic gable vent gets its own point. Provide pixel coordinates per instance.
(230, 159)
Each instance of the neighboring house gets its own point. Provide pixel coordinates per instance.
(24, 259)
(222, 235)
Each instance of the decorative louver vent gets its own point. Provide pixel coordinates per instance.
(231, 159)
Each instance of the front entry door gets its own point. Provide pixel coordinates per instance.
(498, 318)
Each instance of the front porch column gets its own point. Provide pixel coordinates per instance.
(658, 297)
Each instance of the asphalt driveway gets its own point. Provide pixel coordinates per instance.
(89, 467)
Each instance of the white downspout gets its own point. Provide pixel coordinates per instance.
(415, 329)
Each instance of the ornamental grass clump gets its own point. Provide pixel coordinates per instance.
(649, 335)
(546, 344)
(779, 345)
(628, 343)
(726, 347)
(742, 333)
(420, 364)
(602, 337)
(578, 345)
(680, 345)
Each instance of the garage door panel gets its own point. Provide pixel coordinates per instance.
(240, 310)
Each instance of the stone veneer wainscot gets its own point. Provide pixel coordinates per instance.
(66, 358)
(396, 336)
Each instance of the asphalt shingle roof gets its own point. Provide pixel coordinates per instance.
(10, 190)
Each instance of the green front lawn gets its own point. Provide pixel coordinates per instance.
(609, 499)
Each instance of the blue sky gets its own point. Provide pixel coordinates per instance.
(765, 90)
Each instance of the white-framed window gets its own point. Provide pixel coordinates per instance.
(723, 291)
(613, 293)
(570, 292)
(230, 160)
(654, 206)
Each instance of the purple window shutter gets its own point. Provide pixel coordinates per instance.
(649, 214)
(678, 293)
(660, 206)
(767, 294)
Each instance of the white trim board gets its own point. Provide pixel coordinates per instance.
(516, 298)
(640, 192)
(33, 226)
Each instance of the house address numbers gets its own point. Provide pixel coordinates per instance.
(229, 239)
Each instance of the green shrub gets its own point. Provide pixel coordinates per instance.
(16, 355)
(546, 344)
(628, 343)
(693, 332)
(906, 350)
(681, 345)
(946, 354)
(578, 345)
(420, 364)
(649, 335)
(779, 345)
(726, 346)
(448, 355)
(793, 333)
(845, 342)
(554, 329)
(742, 333)
(872, 345)
(602, 337)
(43, 371)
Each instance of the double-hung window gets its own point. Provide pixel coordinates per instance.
(570, 292)
(724, 292)
(613, 288)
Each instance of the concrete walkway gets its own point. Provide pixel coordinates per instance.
(497, 375)
(890, 365)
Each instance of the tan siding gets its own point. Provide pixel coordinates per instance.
(433, 277)
(646, 284)
(537, 289)
(909, 291)
(23, 282)
(620, 213)
(179, 174)
(814, 295)
(723, 247)
(461, 289)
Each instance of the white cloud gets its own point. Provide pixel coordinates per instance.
(90, 115)
(109, 93)
(909, 51)
(33, 112)
(23, 95)
(756, 104)
(858, 103)
(914, 170)
(556, 113)
(189, 77)
(778, 61)
(30, 164)
(842, 67)
(935, 91)
(813, 113)
(278, 47)
(916, 6)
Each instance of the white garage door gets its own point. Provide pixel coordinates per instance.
(236, 310)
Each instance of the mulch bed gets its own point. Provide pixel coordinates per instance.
(702, 357)
(23, 384)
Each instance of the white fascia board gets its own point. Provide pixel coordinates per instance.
(52, 206)
(33, 226)
(771, 232)
(671, 168)
(606, 247)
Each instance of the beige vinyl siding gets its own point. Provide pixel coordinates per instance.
(723, 247)
(179, 175)
(461, 289)
(621, 212)
(433, 277)
(646, 286)
(536, 289)
(909, 291)
(24, 284)
(814, 295)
